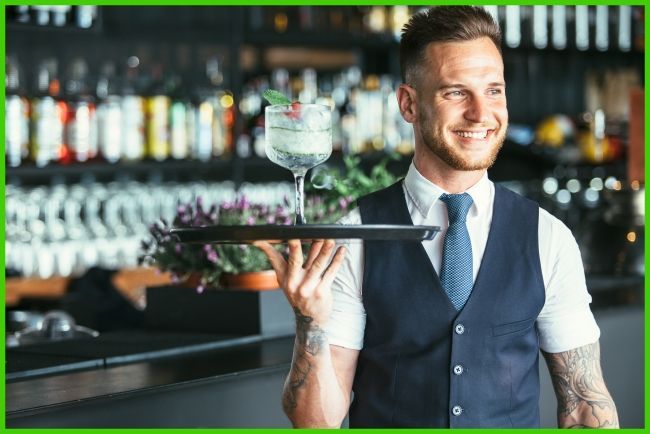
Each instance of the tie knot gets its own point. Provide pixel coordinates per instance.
(457, 206)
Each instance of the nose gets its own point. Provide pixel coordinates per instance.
(477, 110)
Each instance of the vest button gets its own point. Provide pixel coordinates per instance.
(460, 329)
(458, 369)
(457, 410)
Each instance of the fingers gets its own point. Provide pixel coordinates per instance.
(330, 273)
(275, 258)
(295, 259)
(313, 253)
(321, 261)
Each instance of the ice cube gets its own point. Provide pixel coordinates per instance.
(316, 119)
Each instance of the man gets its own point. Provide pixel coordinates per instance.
(445, 333)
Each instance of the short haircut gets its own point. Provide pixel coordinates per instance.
(443, 24)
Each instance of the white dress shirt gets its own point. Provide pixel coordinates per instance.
(565, 322)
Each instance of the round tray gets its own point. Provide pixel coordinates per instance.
(276, 233)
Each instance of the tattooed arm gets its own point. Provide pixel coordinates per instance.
(318, 387)
(583, 399)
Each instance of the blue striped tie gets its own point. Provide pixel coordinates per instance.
(456, 274)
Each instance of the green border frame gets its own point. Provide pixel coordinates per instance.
(297, 3)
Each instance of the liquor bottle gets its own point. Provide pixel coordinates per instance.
(513, 26)
(59, 15)
(369, 115)
(109, 114)
(133, 114)
(80, 131)
(41, 14)
(540, 26)
(602, 28)
(48, 114)
(559, 29)
(391, 114)
(352, 139)
(624, 26)
(157, 105)
(16, 116)
(582, 27)
(376, 20)
(178, 134)
(309, 90)
(85, 16)
(399, 16)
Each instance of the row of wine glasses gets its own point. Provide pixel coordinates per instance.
(63, 230)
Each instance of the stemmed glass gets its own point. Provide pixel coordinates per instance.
(298, 137)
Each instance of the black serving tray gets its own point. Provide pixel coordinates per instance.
(278, 233)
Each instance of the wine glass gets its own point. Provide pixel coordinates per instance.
(298, 137)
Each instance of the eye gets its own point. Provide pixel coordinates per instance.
(494, 91)
(454, 94)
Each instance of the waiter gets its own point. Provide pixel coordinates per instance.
(445, 333)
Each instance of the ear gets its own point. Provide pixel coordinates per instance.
(406, 99)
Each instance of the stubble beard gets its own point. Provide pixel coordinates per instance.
(436, 143)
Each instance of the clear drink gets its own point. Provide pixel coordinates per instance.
(298, 137)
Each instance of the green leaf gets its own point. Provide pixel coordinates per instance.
(275, 98)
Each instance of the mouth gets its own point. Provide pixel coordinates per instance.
(474, 134)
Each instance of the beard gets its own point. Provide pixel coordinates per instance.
(436, 143)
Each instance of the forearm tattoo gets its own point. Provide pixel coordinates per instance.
(583, 399)
(310, 340)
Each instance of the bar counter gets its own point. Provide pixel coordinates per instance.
(230, 386)
(155, 379)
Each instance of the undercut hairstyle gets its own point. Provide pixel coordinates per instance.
(443, 24)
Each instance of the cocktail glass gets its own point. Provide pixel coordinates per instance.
(298, 137)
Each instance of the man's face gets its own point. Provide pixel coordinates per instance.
(461, 103)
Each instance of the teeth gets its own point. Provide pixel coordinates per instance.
(478, 135)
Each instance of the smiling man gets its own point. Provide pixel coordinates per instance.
(446, 333)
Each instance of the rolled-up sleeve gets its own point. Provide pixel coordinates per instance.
(566, 321)
(347, 322)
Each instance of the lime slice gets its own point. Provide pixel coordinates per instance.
(275, 98)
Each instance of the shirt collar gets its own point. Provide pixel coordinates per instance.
(425, 193)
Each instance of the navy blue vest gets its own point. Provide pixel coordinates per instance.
(425, 365)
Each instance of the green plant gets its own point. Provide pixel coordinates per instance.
(335, 187)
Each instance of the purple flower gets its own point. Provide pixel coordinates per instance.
(270, 219)
(178, 248)
(250, 221)
(243, 203)
(213, 257)
(182, 209)
(175, 278)
(199, 289)
(343, 203)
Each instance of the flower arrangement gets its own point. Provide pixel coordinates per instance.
(211, 260)
(333, 194)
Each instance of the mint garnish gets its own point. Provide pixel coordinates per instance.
(275, 98)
